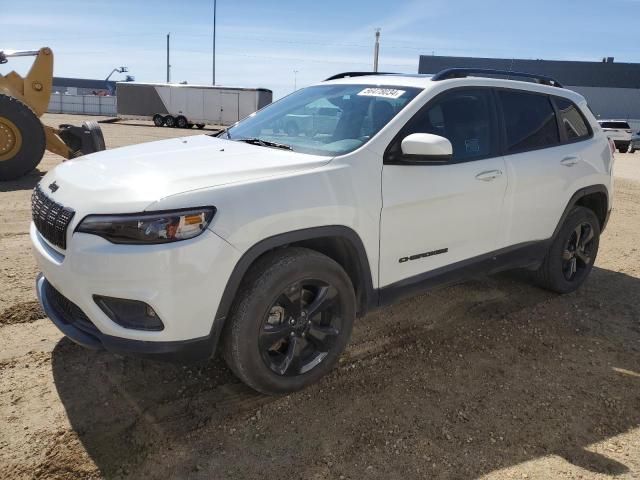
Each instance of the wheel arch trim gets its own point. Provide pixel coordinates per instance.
(369, 294)
(583, 192)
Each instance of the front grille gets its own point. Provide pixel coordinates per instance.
(68, 311)
(51, 218)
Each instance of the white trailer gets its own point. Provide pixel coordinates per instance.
(183, 106)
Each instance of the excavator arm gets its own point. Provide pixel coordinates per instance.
(33, 93)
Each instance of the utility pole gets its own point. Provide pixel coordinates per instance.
(376, 51)
(168, 64)
(295, 80)
(213, 66)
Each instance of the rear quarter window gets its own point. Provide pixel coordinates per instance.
(571, 120)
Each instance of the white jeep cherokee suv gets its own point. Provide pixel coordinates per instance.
(268, 245)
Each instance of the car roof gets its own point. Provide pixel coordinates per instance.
(425, 82)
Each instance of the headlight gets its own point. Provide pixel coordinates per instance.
(149, 228)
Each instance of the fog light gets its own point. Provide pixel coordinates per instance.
(130, 313)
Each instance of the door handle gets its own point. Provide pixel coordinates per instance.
(489, 175)
(569, 161)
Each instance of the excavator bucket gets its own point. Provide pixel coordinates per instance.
(23, 137)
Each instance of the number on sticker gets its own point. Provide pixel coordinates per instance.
(382, 92)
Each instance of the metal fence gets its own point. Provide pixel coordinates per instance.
(82, 104)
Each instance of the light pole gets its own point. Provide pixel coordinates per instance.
(376, 51)
(168, 64)
(295, 80)
(213, 65)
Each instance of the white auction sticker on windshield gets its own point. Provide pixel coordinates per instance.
(382, 92)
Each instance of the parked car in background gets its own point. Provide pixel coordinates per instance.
(634, 143)
(619, 131)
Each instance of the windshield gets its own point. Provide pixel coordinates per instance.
(324, 120)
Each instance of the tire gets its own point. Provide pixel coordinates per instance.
(158, 120)
(23, 139)
(268, 322)
(97, 138)
(170, 121)
(190, 125)
(200, 126)
(181, 122)
(292, 129)
(564, 268)
(623, 149)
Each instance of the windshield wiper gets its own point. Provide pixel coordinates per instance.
(263, 143)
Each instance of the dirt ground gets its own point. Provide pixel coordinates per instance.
(493, 379)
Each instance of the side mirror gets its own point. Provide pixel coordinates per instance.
(427, 147)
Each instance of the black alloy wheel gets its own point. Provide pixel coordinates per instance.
(577, 254)
(572, 253)
(300, 328)
(290, 322)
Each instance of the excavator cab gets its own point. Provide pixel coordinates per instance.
(23, 137)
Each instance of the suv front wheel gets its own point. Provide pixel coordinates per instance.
(570, 258)
(290, 322)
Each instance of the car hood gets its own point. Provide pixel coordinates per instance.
(129, 179)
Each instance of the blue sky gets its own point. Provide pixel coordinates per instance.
(261, 43)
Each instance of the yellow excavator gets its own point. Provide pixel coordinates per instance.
(23, 137)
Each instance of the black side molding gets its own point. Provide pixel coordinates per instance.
(525, 255)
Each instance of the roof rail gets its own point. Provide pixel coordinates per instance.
(355, 74)
(467, 72)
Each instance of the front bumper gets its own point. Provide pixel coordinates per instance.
(76, 326)
(183, 282)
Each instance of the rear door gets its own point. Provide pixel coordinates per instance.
(438, 213)
(229, 108)
(546, 141)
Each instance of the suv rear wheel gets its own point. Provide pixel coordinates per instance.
(572, 254)
(290, 322)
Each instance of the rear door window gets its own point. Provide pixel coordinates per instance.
(530, 121)
(572, 120)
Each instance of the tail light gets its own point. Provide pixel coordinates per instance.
(629, 131)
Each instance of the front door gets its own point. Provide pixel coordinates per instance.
(438, 213)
